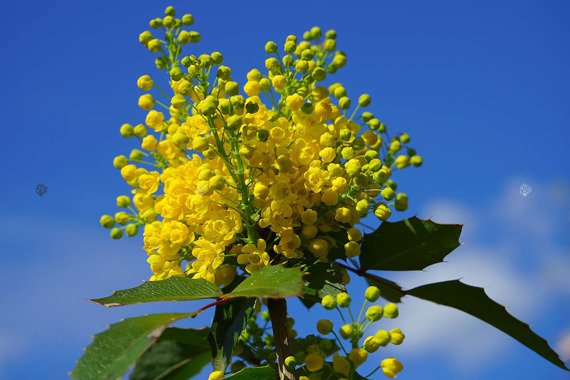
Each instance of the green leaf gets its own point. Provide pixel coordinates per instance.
(388, 289)
(410, 244)
(272, 281)
(257, 373)
(230, 319)
(114, 350)
(473, 300)
(172, 289)
(321, 279)
(178, 354)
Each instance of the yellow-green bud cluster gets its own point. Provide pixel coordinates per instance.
(352, 330)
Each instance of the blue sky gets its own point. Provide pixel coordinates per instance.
(482, 88)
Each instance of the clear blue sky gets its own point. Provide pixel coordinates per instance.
(482, 87)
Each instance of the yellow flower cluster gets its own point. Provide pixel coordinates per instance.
(284, 172)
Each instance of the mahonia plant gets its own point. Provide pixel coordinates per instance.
(248, 194)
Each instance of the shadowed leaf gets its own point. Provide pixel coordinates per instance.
(229, 321)
(474, 301)
(410, 244)
(178, 354)
(116, 349)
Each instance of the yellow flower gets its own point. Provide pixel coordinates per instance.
(254, 256)
(391, 367)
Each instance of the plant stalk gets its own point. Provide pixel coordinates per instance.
(278, 313)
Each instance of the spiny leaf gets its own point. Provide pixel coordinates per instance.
(410, 244)
(321, 279)
(474, 301)
(230, 319)
(257, 373)
(172, 289)
(115, 350)
(272, 281)
(178, 354)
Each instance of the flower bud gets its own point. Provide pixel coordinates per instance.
(396, 336)
(146, 102)
(270, 47)
(314, 362)
(145, 37)
(290, 362)
(169, 22)
(357, 356)
(370, 344)
(264, 84)
(352, 249)
(116, 233)
(107, 221)
(136, 155)
(178, 101)
(289, 46)
(372, 294)
(319, 74)
(217, 182)
(364, 100)
(343, 299)
(339, 60)
(391, 310)
(149, 216)
(187, 19)
(140, 130)
(122, 217)
(391, 367)
(388, 193)
(382, 212)
(316, 32)
(169, 11)
(252, 88)
(402, 161)
(401, 203)
(161, 63)
(132, 230)
(120, 162)
(382, 337)
(416, 161)
(328, 302)
(301, 66)
(216, 375)
(344, 103)
(254, 75)
(374, 313)
(155, 23)
(154, 45)
(234, 122)
(217, 58)
(346, 331)
(123, 201)
(126, 130)
(195, 37)
(329, 44)
(145, 83)
(324, 326)
(341, 364)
